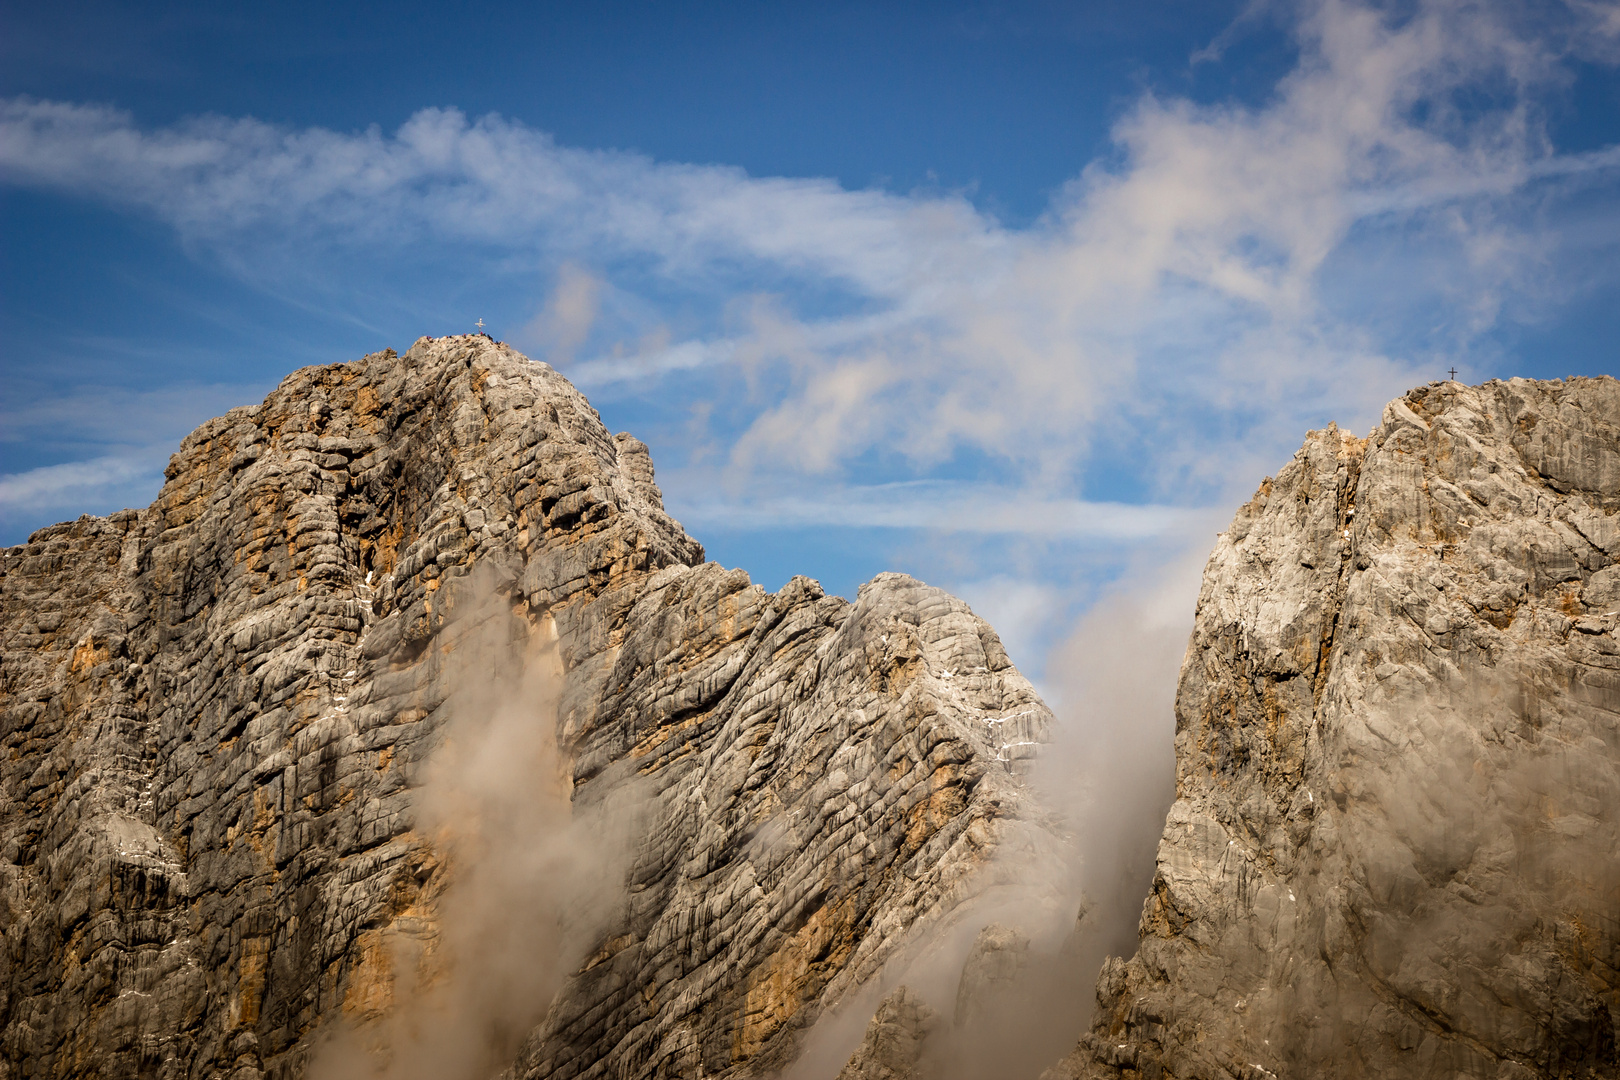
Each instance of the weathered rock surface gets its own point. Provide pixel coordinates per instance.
(990, 973)
(1393, 851)
(215, 714)
(892, 1048)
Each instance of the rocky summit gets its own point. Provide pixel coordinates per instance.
(220, 715)
(406, 735)
(1395, 846)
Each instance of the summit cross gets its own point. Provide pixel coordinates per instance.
(1453, 373)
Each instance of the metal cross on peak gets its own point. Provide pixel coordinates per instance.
(1453, 373)
(480, 325)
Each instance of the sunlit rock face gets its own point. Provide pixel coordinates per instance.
(218, 715)
(1393, 851)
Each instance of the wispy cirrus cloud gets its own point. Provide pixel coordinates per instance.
(945, 506)
(130, 434)
(72, 483)
(1185, 308)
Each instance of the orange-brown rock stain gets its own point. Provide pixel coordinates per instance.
(366, 402)
(251, 968)
(945, 800)
(406, 946)
(382, 551)
(87, 655)
(1569, 600)
(1285, 761)
(792, 975)
(370, 988)
(259, 831)
(894, 658)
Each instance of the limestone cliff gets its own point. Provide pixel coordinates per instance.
(215, 714)
(1393, 851)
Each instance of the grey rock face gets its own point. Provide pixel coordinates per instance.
(990, 972)
(1393, 848)
(892, 1048)
(216, 715)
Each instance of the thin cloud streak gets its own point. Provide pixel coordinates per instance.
(661, 359)
(944, 506)
(79, 483)
(147, 417)
(121, 438)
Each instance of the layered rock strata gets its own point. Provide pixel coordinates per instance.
(1393, 847)
(216, 713)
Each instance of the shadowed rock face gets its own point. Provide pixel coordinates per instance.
(1393, 848)
(215, 715)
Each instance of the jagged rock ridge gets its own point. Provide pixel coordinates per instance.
(1393, 847)
(214, 714)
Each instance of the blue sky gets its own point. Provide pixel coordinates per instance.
(1019, 298)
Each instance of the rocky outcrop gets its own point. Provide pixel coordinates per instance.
(892, 1048)
(1393, 847)
(216, 715)
(990, 973)
(1392, 851)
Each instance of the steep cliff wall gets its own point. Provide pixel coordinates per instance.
(1393, 848)
(215, 716)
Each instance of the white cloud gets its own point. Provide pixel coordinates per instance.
(1168, 313)
(158, 417)
(570, 313)
(653, 356)
(120, 440)
(492, 181)
(945, 506)
(96, 484)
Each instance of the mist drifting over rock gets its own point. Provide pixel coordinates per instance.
(230, 838)
(1395, 847)
(406, 735)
